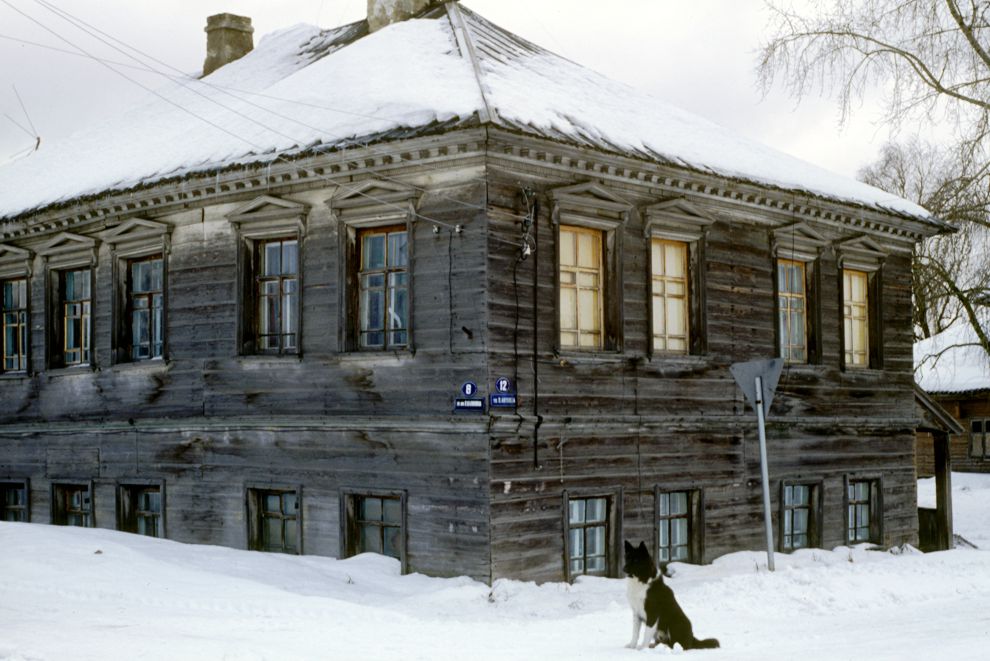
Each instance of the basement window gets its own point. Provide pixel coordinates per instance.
(140, 509)
(14, 498)
(374, 522)
(72, 504)
(274, 521)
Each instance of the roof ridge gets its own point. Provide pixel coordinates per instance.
(466, 45)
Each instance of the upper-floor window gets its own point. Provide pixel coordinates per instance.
(671, 292)
(582, 279)
(145, 308)
(792, 311)
(15, 332)
(856, 318)
(383, 278)
(276, 301)
(74, 309)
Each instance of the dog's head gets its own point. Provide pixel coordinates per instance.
(639, 562)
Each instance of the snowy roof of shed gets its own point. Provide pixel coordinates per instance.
(952, 361)
(304, 88)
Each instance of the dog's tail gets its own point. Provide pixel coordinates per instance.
(706, 644)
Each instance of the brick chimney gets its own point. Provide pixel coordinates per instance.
(228, 38)
(386, 12)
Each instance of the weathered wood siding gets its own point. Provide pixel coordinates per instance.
(963, 407)
(627, 423)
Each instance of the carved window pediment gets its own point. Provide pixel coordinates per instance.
(799, 242)
(374, 203)
(676, 219)
(137, 237)
(590, 205)
(14, 261)
(268, 216)
(69, 250)
(860, 253)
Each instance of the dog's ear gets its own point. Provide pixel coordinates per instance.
(642, 545)
(629, 547)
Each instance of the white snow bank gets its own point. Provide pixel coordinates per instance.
(71, 593)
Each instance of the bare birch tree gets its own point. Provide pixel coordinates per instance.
(932, 58)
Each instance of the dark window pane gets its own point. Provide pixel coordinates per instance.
(371, 509)
(392, 511)
(370, 539)
(392, 541)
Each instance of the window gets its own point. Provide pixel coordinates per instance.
(800, 527)
(863, 521)
(671, 291)
(14, 501)
(140, 509)
(384, 287)
(679, 526)
(582, 279)
(274, 521)
(588, 537)
(15, 331)
(375, 523)
(792, 311)
(74, 310)
(145, 327)
(277, 295)
(72, 505)
(270, 234)
(979, 438)
(856, 318)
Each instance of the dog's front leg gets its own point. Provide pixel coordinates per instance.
(635, 632)
(649, 633)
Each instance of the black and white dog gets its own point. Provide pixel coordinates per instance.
(653, 604)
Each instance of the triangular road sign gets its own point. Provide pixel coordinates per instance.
(745, 375)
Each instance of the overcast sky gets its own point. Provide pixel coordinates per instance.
(698, 54)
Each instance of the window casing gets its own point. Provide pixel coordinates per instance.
(383, 284)
(374, 522)
(141, 509)
(72, 504)
(792, 311)
(274, 520)
(145, 324)
(15, 329)
(582, 288)
(863, 511)
(276, 291)
(855, 318)
(671, 295)
(15, 501)
(679, 526)
(800, 516)
(74, 310)
(979, 438)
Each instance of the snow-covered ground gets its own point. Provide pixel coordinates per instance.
(98, 594)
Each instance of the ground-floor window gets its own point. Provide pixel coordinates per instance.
(588, 535)
(140, 509)
(679, 526)
(800, 527)
(72, 504)
(274, 523)
(14, 501)
(979, 438)
(377, 525)
(863, 508)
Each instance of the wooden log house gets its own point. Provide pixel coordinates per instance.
(480, 341)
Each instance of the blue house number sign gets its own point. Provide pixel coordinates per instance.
(503, 397)
(470, 401)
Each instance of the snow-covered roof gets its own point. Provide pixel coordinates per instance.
(304, 88)
(952, 361)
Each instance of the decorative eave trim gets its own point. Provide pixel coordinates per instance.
(138, 236)
(266, 216)
(589, 203)
(15, 262)
(374, 202)
(676, 219)
(68, 250)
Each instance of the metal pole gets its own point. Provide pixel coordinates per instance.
(768, 524)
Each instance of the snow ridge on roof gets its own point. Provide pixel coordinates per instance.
(304, 87)
(952, 361)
